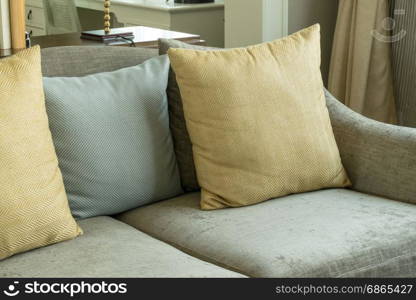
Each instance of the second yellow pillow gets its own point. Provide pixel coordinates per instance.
(34, 210)
(258, 121)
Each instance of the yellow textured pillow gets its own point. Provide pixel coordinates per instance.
(34, 210)
(258, 121)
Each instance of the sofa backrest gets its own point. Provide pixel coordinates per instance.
(80, 61)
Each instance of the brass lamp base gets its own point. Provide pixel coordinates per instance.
(107, 17)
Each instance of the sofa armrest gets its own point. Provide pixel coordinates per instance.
(380, 159)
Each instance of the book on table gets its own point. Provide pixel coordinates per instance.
(115, 34)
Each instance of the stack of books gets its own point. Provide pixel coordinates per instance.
(116, 35)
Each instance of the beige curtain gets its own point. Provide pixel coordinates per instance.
(404, 61)
(361, 71)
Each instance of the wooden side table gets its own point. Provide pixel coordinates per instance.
(143, 37)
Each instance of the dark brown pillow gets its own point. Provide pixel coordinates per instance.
(181, 140)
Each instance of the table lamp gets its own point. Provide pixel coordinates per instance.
(107, 18)
(107, 35)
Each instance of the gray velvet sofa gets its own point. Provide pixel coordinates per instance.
(368, 230)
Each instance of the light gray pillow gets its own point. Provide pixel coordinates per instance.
(112, 138)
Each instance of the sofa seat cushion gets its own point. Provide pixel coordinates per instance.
(109, 248)
(329, 233)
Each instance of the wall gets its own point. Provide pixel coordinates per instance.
(243, 22)
(304, 13)
(5, 39)
(249, 22)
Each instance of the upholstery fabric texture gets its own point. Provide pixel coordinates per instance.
(328, 233)
(264, 106)
(112, 138)
(180, 135)
(379, 158)
(370, 236)
(34, 209)
(109, 248)
(74, 61)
